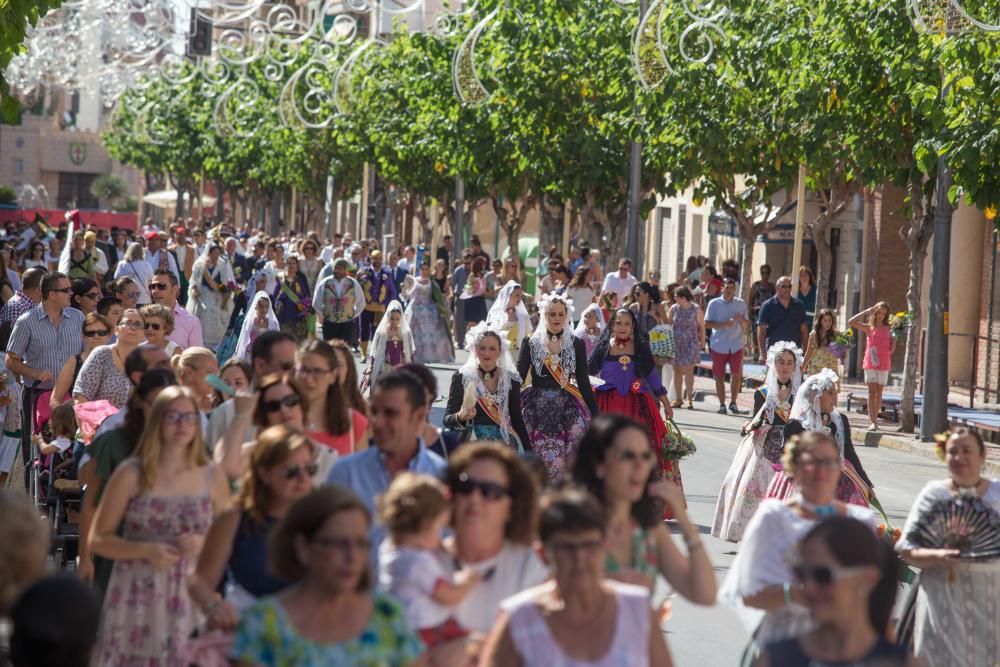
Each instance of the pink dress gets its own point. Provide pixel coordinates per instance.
(538, 648)
(878, 350)
(148, 614)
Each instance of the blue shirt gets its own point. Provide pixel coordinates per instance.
(728, 339)
(364, 473)
(783, 324)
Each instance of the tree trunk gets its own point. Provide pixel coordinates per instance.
(746, 264)
(917, 236)
(824, 262)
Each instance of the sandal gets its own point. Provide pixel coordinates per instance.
(676, 404)
(690, 405)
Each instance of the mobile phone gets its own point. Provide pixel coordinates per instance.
(218, 383)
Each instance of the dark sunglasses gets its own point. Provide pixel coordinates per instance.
(64, 290)
(287, 365)
(490, 490)
(289, 401)
(824, 575)
(152, 325)
(153, 287)
(310, 469)
(96, 332)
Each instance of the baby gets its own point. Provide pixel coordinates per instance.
(415, 511)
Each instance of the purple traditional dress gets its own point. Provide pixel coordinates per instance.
(148, 614)
(380, 291)
(558, 405)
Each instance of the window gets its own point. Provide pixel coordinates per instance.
(74, 191)
(681, 233)
(18, 166)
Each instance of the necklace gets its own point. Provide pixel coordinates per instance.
(553, 336)
(821, 511)
(487, 374)
(622, 342)
(784, 385)
(969, 491)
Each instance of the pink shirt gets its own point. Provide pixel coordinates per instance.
(881, 340)
(187, 329)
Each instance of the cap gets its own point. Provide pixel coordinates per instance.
(342, 263)
(152, 235)
(375, 253)
(181, 230)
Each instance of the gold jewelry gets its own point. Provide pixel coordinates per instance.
(624, 360)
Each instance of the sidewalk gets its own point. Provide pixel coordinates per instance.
(888, 437)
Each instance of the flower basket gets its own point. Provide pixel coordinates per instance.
(676, 446)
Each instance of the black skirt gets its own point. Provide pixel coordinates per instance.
(475, 309)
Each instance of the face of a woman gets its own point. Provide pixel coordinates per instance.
(194, 378)
(235, 378)
(963, 457)
(90, 339)
(130, 328)
(129, 296)
(425, 271)
(590, 319)
(156, 331)
(115, 314)
(515, 297)
(292, 267)
(784, 366)
(314, 374)
(622, 326)
(626, 467)
(474, 508)
(262, 307)
(290, 480)
(440, 265)
(827, 322)
(832, 592)
(828, 400)
(576, 558)
(340, 373)
(882, 315)
(556, 317)
(309, 250)
(818, 472)
(213, 255)
(642, 297)
(180, 421)
(488, 352)
(337, 555)
(395, 319)
(37, 251)
(290, 415)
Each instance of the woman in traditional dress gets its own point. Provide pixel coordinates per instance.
(559, 404)
(293, 301)
(956, 622)
(259, 318)
(510, 317)
(310, 264)
(815, 409)
(427, 315)
(391, 346)
(751, 471)
(484, 400)
(210, 295)
(623, 360)
(591, 327)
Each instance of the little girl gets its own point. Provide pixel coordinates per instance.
(591, 327)
(415, 511)
(392, 345)
(260, 318)
(62, 424)
(878, 355)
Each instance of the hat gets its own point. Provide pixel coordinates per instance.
(152, 235)
(90, 236)
(181, 230)
(375, 253)
(342, 263)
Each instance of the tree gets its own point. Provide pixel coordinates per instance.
(109, 188)
(15, 18)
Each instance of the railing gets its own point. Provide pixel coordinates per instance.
(973, 369)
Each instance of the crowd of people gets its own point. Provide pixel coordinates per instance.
(250, 498)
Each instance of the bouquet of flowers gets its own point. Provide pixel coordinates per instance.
(900, 323)
(304, 305)
(842, 343)
(890, 535)
(676, 445)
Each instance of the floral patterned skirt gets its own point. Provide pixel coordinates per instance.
(431, 338)
(851, 488)
(642, 408)
(556, 421)
(494, 433)
(744, 486)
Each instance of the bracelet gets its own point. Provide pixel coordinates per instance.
(210, 608)
(694, 546)
(787, 587)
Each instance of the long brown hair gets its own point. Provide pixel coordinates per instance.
(879, 306)
(272, 448)
(338, 412)
(351, 388)
(824, 339)
(151, 442)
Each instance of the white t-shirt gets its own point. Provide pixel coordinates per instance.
(513, 570)
(62, 443)
(410, 575)
(620, 286)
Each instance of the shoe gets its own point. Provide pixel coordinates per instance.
(722, 410)
(873, 427)
(690, 405)
(676, 404)
(735, 410)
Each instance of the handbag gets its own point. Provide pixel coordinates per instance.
(661, 341)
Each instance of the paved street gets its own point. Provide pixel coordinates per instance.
(714, 637)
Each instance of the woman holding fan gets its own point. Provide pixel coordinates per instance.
(559, 403)
(960, 561)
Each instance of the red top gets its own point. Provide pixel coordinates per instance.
(343, 444)
(880, 339)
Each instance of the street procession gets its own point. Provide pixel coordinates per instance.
(499, 333)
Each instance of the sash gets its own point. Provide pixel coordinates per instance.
(292, 296)
(490, 408)
(557, 373)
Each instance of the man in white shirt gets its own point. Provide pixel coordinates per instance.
(621, 283)
(158, 257)
(100, 259)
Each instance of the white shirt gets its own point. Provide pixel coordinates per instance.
(410, 575)
(153, 259)
(326, 254)
(613, 282)
(100, 260)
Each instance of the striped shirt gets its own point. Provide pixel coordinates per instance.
(18, 305)
(43, 346)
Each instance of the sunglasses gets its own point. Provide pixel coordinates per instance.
(64, 290)
(155, 287)
(289, 401)
(825, 575)
(93, 295)
(96, 332)
(492, 491)
(292, 472)
(287, 365)
(152, 325)
(172, 417)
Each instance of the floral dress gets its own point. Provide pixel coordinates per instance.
(148, 614)
(265, 637)
(820, 358)
(687, 344)
(427, 314)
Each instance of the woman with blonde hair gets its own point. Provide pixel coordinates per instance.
(280, 473)
(164, 499)
(192, 368)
